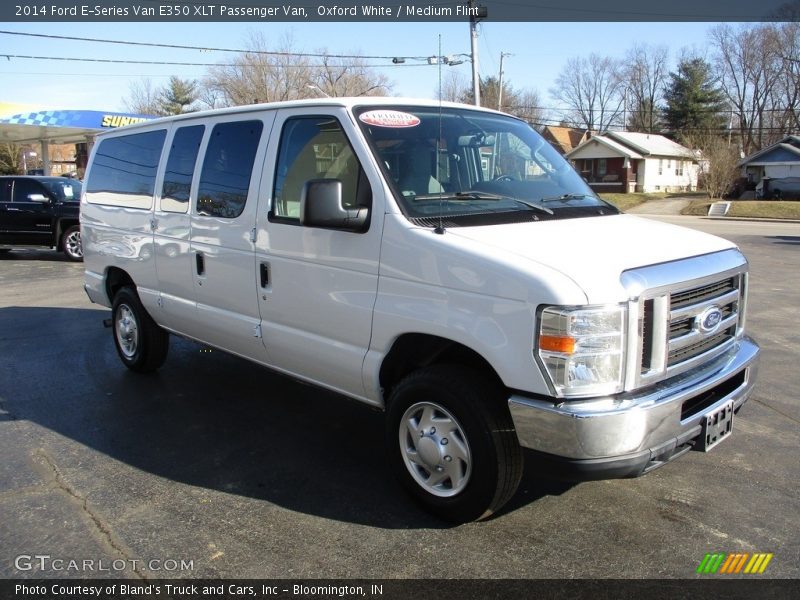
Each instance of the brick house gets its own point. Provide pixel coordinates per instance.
(621, 161)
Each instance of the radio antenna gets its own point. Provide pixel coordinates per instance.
(440, 228)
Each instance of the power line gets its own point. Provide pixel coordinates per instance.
(211, 48)
(185, 64)
(67, 74)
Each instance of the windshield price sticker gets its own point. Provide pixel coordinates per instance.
(389, 118)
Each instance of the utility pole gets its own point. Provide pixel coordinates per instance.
(625, 110)
(500, 81)
(473, 32)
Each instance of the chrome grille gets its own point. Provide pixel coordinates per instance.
(682, 324)
(679, 355)
(713, 290)
(687, 339)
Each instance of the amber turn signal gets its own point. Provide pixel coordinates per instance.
(557, 343)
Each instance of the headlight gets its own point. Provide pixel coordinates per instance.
(582, 349)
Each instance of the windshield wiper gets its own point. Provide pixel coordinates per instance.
(466, 196)
(457, 196)
(564, 197)
(489, 196)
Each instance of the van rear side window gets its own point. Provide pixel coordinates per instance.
(227, 167)
(124, 169)
(180, 169)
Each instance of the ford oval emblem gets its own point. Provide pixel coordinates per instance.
(709, 320)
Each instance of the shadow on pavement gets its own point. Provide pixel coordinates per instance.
(791, 240)
(32, 254)
(208, 419)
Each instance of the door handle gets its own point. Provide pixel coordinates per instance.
(201, 263)
(264, 272)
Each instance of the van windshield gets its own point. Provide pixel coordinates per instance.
(473, 167)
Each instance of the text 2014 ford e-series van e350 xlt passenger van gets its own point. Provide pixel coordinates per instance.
(438, 261)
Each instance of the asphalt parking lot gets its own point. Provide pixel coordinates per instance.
(214, 467)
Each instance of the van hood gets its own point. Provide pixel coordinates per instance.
(594, 251)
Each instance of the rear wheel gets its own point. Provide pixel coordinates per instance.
(452, 443)
(141, 344)
(71, 243)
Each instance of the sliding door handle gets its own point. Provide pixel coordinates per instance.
(200, 261)
(264, 273)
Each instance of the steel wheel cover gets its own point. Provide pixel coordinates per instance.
(127, 331)
(435, 449)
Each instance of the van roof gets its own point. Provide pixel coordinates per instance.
(346, 102)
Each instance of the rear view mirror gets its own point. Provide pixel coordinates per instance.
(321, 206)
(476, 140)
(38, 198)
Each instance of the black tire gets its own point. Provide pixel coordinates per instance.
(471, 413)
(141, 344)
(71, 243)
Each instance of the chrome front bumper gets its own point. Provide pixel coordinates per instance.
(628, 434)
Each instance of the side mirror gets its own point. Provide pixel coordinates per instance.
(38, 198)
(321, 206)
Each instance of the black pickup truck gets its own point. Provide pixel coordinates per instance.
(41, 211)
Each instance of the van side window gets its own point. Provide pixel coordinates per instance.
(124, 169)
(227, 167)
(315, 148)
(180, 169)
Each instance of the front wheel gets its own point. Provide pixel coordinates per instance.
(71, 243)
(141, 344)
(452, 443)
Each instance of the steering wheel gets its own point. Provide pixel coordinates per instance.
(505, 178)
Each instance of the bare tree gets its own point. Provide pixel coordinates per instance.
(454, 86)
(528, 106)
(9, 158)
(718, 161)
(748, 65)
(523, 103)
(263, 75)
(644, 72)
(260, 75)
(348, 77)
(788, 43)
(143, 98)
(592, 91)
(210, 98)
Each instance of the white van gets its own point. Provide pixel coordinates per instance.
(438, 261)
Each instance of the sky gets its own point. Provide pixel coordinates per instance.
(537, 52)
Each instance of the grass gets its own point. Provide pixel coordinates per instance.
(627, 201)
(758, 209)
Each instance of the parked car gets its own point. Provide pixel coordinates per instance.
(440, 262)
(778, 188)
(41, 211)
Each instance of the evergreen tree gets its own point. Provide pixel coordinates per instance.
(693, 102)
(178, 96)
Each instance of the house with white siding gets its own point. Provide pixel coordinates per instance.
(621, 161)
